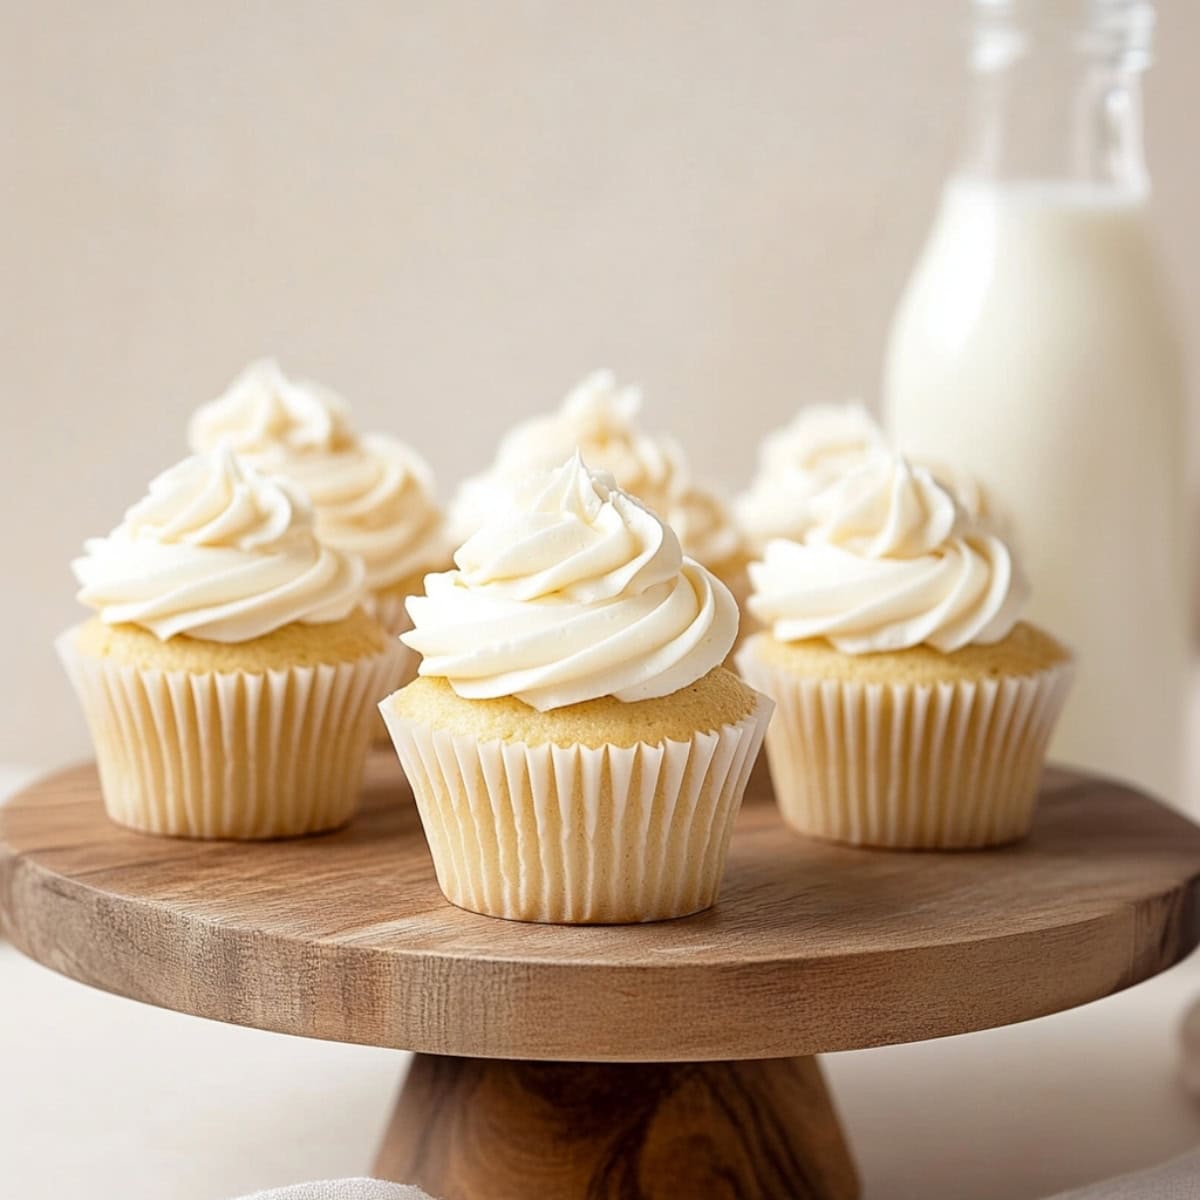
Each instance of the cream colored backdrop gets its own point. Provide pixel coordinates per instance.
(448, 210)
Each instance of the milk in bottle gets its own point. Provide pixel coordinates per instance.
(1034, 348)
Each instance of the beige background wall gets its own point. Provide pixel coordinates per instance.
(448, 210)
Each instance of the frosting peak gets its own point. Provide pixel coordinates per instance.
(578, 538)
(819, 446)
(264, 412)
(825, 440)
(373, 496)
(598, 408)
(600, 419)
(817, 449)
(576, 591)
(217, 551)
(888, 510)
(892, 562)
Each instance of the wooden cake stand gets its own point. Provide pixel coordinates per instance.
(608, 1063)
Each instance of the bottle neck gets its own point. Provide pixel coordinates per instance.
(1055, 93)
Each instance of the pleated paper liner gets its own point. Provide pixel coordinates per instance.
(230, 755)
(579, 835)
(905, 766)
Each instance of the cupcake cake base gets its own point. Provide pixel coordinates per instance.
(913, 749)
(253, 740)
(602, 812)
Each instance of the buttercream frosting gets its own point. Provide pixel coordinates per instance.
(373, 495)
(265, 416)
(574, 591)
(601, 419)
(819, 446)
(891, 561)
(217, 551)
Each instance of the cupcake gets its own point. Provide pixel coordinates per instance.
(913, 706)
(576, 751)
(601, 420)
(373, 496)
(230, 674)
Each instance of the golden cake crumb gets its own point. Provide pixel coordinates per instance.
(1025, 651)
(719, 698)
(294, 645)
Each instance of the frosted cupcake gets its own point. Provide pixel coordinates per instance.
(914, 708)
(230, 675)
(602, 421)
(373, 495)
(576, 751)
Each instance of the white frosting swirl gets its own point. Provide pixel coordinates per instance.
(821, 444)
(575, 592)
(375, 500)
(219, 552)
(967, 490)
(373, 496)
(264, 416)
(600, 420)
(891, 562)
(703, 523)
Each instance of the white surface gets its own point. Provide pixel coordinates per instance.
(14, 777)
(1016, 1113)
(1178, 1179)
(113, 1100)
(343, 1189)
(116, 1101)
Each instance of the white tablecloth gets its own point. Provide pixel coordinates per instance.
(117, 1101)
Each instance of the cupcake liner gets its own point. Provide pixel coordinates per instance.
(579, 835)
(902, 766)
(229, 755)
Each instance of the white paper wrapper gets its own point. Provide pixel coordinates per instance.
(238, 755)
(576, 835)
(902, 766)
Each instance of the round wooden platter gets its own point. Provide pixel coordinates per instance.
(601, 1063)
(811, 947)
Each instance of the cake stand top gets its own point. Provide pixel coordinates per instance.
(811, 948)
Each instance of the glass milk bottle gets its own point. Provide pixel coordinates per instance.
(1034, 348)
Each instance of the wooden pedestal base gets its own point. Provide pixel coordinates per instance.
(488, 1129)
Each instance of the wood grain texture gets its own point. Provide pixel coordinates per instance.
(480, 1129)
(810, 948)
